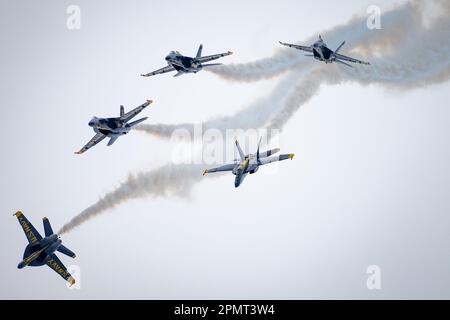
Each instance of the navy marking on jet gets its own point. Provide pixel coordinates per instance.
(183, 64)
(113, 128)
(41, 251)
(321, 52)
(249, 163)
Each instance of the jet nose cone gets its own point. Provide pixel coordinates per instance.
(92, 122)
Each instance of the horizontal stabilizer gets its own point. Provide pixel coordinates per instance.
(112, 140)
(342, 62)
(211, 64)
(132, 124)
(66, 251)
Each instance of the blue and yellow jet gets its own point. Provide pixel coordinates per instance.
(40, 251)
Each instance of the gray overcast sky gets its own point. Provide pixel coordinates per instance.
(369, 183)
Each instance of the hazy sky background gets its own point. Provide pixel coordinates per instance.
(369, 183)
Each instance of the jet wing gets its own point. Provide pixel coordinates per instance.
(56, 264)
(342, 57)
(281, 157)
(96, 139)
(296, 46)
(31, 233)
(227, 167)
(213, 57)
(131, 114)
(159, 71)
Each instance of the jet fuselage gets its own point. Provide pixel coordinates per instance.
(322, 52)
(39, 254)
(248, 165)
(183, 63)
(111, 127)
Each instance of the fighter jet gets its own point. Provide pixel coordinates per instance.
(249, 163)
(321, 52)
(113, 128)
(182, 64)
(40, 251)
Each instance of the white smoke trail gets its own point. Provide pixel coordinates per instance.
(166, 181)
(410, 56)
(253, 116)
(397, 22)
(405, 58)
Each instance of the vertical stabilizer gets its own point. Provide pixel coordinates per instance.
(47, 227)
(199, 51)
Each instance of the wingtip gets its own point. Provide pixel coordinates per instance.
(205, 172)
(149, 101)
(78, 152)
(230, 52)
(44, 218)
(72, 281)
(18, 213)
(144, 75)
(291, 156)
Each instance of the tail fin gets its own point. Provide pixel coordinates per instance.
(66, 251)
(47, 227)
(199, 51)
(339, 48)
(241, 153)
(257, 151)
(132, 124)
(122, 111)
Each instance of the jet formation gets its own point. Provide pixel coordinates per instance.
(41, 251)
(183, 64)
(321, 52)
(249, 163)
(113, 128)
